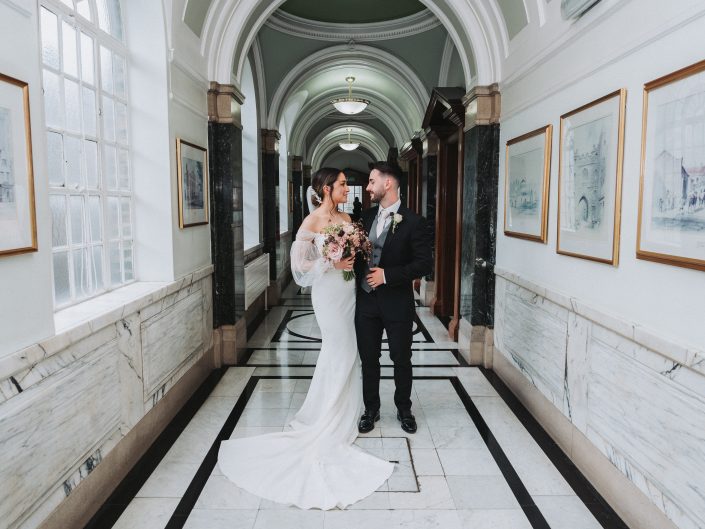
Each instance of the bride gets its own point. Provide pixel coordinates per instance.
(314, 464)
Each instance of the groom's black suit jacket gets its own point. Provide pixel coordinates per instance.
(406, 255)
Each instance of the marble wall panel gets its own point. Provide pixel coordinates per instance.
(58, 422)
(533, 336)
(641, 408)
(649, 426)
(169, 339)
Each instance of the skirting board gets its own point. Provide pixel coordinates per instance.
(85, 500)
(623, 496)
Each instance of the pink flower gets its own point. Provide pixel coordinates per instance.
(348, 228)
(335, 252)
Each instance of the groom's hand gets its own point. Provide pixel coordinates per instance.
(376, 277)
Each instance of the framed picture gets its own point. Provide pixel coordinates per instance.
(590, 179)
(526, 180)
(672, 187)
(18, 222)
(192, 175)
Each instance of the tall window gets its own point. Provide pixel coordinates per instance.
(355, 192)
(90, 185)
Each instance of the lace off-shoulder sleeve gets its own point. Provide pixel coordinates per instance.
(307, 263)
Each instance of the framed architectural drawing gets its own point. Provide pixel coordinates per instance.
(527, 172)
(18, 222)
(590, 179)
(192, 176)
(672, 186)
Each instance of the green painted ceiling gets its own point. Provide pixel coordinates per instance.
(195, 14)
(352, 11)
(335, 117)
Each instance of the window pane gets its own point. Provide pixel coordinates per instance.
(95, 216)
(109, 18)
(127, 261)
(119, 76)
(83, 8)
(50, 39)
(72, 157)
(73, 109)
(123, 170)
(76, 204)
(115, 271)
(103, 17)
(108, 119)
(113, 218)
(55, 158)
(57, 203)
(80, 273)
(52, 100)
(121, 122)
(87, 61)
(97, 265)
(62, 290)
(109, 171)
(90, 154)
(89, 116)
(106, 69)
(70, 53)
(126, 218)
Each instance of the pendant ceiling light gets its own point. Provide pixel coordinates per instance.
(349, 146)
(350, 105)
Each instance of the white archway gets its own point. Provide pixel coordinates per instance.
(231, 26)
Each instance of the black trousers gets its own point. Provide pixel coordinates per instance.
(370, 322)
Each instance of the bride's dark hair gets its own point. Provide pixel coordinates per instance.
(325, 176)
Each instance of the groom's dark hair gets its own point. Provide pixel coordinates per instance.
(389, 169)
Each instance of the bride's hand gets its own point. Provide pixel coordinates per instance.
(345, 264)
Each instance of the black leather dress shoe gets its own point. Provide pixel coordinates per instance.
(367, 421)
(408, 421)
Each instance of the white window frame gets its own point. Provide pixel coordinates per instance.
(101, 39)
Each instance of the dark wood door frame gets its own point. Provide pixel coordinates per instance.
(445, 116)
(412, 155)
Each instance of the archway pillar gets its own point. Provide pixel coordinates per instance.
(270, 205)
(227, 236)
(479, 224)
(297, 173)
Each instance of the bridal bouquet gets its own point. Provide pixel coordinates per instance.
(343, 241)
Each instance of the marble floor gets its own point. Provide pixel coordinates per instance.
(478, 460)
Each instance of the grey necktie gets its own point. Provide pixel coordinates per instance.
(383, 215)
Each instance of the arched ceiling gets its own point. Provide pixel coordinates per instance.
(397, 50)
(352, 12)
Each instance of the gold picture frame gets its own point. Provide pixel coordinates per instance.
(589, 208)
(526, 200)
(672, 180)
(192, 181)
(18, 218)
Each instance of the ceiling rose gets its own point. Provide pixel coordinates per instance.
(350, 105)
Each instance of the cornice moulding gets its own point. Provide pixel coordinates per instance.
(392, 29)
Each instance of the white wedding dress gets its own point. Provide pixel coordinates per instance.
(314, 464)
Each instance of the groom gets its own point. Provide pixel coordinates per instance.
(401, 252)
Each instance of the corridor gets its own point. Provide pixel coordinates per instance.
(477, 461)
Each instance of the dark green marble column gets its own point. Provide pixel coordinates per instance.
(297, 163)
(270, 202)
(480, 188)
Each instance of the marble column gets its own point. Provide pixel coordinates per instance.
(481, 177)
(297, 163)
(227, 238)
(270, 181)
(429, 174)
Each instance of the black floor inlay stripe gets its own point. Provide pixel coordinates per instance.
(522, 495)
(128, 488)
(592, 499)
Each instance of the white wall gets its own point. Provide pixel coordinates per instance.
(251, 160)
(638, 42)
(188, 112)
(26, 299)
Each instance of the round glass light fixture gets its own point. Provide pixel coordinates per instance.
(350, 105)
(349, 146)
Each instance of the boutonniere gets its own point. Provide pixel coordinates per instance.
(396, 219)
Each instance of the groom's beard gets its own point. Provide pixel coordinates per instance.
(377, 197)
